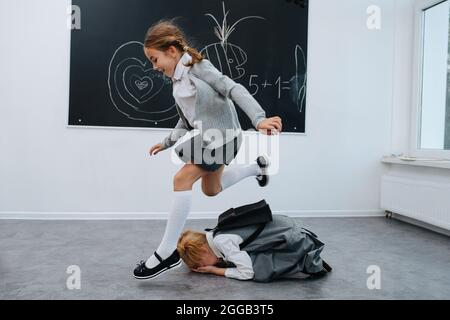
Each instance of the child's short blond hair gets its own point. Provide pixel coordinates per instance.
(191, 246)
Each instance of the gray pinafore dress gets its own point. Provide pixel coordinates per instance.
(282, 249)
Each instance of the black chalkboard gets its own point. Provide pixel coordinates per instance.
(113, 84)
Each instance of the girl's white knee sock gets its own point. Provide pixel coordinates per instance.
(238, 172)
(174, 226)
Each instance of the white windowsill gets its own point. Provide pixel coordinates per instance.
(421, 162)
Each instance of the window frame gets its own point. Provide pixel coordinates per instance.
(417, 85)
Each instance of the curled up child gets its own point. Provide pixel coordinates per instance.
(282, 249)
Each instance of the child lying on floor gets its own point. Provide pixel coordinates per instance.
(282, 249)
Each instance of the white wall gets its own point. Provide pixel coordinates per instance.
(402, 74)
(334, 169)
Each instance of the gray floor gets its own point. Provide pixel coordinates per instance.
(34, 256)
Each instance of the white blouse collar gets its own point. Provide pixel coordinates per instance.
(210, 240)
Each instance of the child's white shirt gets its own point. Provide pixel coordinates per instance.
(184, 92)
(226, 246)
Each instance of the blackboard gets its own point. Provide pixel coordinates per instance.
(112, 84)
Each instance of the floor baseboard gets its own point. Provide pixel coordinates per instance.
(29, 215)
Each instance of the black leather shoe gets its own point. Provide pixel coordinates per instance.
(142, 272)
(326, 266)
(326, 269)
(263, 163)
(318, 275)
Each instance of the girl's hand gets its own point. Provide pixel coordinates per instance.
(205, 269)
(156, 148)
(270, 126)
(211, 269)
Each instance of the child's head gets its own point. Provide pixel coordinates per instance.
(195, 251)
(164, 45)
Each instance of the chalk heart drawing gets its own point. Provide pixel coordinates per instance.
(140, 86)
(135, 89)
(141, 83)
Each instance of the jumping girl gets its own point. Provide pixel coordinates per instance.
(204, 100)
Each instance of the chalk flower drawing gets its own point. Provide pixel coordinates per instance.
(227, 57)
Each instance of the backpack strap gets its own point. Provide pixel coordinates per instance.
(252, 236)
(248, 240)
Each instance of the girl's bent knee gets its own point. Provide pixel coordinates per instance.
(183, 181)
(211, 192)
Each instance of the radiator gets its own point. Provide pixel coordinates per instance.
(418, 199)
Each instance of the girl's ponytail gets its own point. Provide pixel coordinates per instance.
(196, 56)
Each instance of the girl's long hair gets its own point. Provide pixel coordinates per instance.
(166, 33)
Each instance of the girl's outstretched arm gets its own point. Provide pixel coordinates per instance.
(227, 87)
(174, 135)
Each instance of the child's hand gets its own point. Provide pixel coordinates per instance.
(205, 269)
(210, 269)
(270, 126)
(156, 148)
